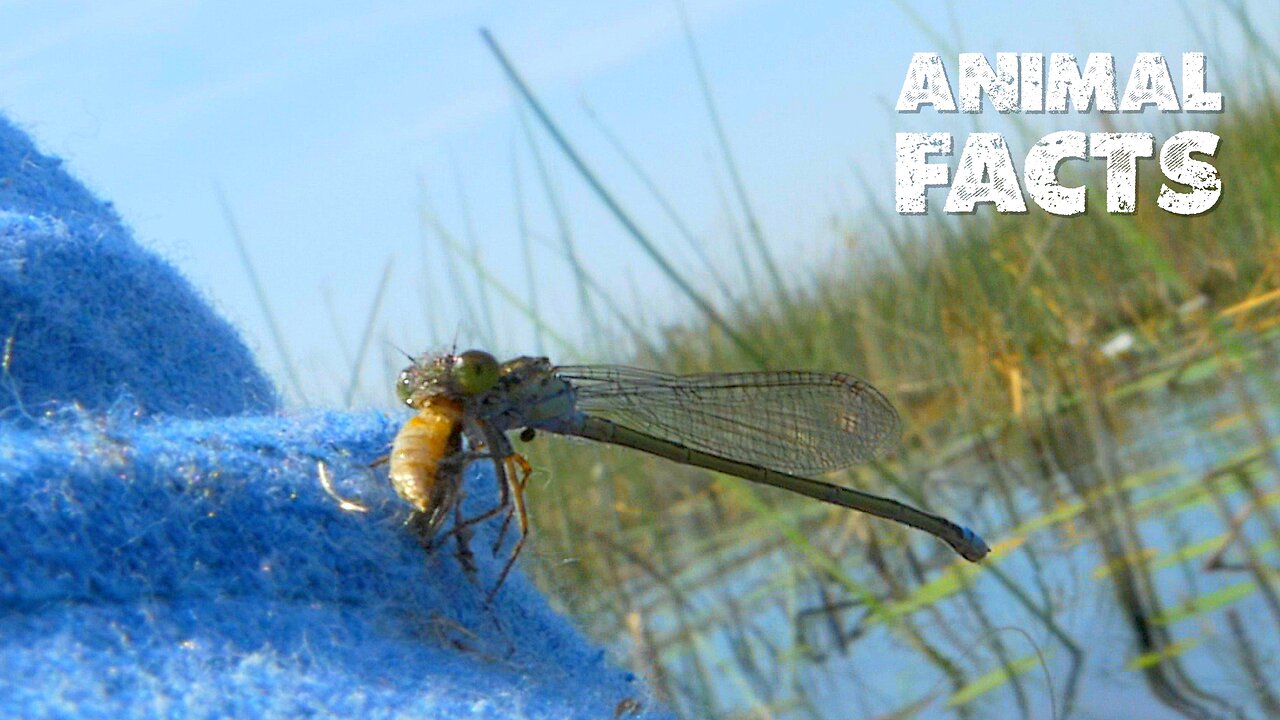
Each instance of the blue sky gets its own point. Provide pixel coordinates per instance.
(323, 122)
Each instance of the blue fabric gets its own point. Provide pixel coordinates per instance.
(164, 552)
(87, 314)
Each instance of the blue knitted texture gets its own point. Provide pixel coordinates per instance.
(87, 314)
(158, 558)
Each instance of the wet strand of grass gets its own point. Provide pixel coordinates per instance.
(994, 641)
(1046, 618)
(911, 633)
(1257, 425)
(643, 644)
(563, 230)
(617, 312)
(682, 228)
(487, 332)
(633, 230)
(260, 294)
(741, 633)
(779, 289)
(1170, 679)
(339, 337)
(486, 277)
(526, 251)
(738, 243)
(666, 555)
(430, 223)
(1261, 576)
(1012, 513)
(788, 603)
(706, 698)
(903, 626)
(1253, 665)
(366, 337)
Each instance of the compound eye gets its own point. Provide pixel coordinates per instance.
(404, 386)
(475, 371)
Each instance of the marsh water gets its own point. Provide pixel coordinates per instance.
(1134, 575)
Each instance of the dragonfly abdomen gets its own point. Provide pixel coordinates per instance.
(964, 541)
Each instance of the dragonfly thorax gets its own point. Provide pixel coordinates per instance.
(528, 394)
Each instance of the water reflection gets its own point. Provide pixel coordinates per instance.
(1137, 567)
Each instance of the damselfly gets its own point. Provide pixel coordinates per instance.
(772, 428)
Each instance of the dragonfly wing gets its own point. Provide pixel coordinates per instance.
(793, 421)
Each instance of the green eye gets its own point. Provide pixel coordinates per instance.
(475, 371)
(404, 386)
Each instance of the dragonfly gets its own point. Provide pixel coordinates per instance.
(774, 428)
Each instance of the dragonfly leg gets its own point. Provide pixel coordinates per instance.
(514, 462)
(486, 514)
(517, 501)
(504, 500)
(462, 537)
(425, 524)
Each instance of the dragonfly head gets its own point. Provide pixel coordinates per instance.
(456, 377)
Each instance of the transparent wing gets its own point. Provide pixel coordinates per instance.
(793, 421)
